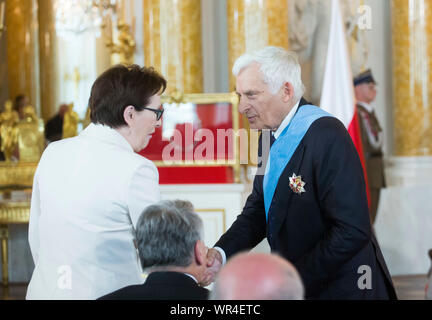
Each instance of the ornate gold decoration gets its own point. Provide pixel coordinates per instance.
(254, 24)
(48, 63)
(172, 42)
(21, 37)
(2, 15)
(122, 51)
(70, 122)
(14, 212)
(9, 130)
(209, 98)
(18, 212)
(412, 76)
(4, 236)
(31, 141)
(17, 174)
(30, 115)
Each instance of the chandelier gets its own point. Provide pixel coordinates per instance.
(77, 16)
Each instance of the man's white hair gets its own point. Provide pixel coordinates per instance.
(277, 66)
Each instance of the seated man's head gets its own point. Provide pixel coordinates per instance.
(258, 276)
(169, 236)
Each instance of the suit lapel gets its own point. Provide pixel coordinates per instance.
(284, 195)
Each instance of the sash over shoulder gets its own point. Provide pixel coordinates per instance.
(285, 146)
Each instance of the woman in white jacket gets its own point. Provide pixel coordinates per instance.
(90, 190)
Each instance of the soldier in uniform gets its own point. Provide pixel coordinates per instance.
(372, 138)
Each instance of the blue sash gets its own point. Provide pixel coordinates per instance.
(285, 146)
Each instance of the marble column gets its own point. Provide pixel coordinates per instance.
(172, 42)
(403, 219)
(412, 76)
(253, 24)
(4, 90)
(47, 59)
(21, 36)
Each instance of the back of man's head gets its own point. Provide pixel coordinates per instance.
(258, 276)
(167, 233)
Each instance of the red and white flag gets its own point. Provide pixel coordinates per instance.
(337, 95)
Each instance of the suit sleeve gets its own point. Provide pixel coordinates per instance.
(249, 229)
(143, 190)
(342, 196)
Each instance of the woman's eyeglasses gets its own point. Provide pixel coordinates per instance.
(159, 112)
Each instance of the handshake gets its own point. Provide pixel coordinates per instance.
(172, 250)
(213, 266)
(252, 276)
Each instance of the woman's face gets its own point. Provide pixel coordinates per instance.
(143, 123)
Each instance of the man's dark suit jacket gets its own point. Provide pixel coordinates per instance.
(325, 232)
(161, 286)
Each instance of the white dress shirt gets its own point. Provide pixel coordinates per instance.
(285, 122)
(88, 194)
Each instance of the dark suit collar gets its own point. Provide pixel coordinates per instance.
(303, 102)
(169, 277)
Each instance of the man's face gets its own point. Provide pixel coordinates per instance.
(365, 92)
(263, 109)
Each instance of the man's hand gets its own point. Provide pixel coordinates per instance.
(214, 264)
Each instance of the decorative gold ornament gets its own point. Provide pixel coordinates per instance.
(30, 114)
(31, 141)
(9, 130)
(123, 49)
(70, 123)
(17, 174)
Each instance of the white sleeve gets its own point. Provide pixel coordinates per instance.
(35, 211)
(143, 190)
(222, 252)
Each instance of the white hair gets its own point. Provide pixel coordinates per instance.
(277, 66)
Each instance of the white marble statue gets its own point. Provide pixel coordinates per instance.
(309, 33)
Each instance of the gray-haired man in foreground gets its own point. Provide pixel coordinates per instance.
(258, 276)
(171, 250)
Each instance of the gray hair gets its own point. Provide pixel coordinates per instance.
(277, 66)
(166, 234)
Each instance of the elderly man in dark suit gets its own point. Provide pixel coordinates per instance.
(170, 246)
(309, 196)
(371, 135)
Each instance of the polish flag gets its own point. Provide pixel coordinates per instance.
(337, 95)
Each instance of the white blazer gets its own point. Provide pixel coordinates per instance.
(88, 194)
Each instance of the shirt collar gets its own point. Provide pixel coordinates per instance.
(192, 277)
(365, 105)
(286, 121)
(107, 135)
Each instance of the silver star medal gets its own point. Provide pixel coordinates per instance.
(296, 184)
